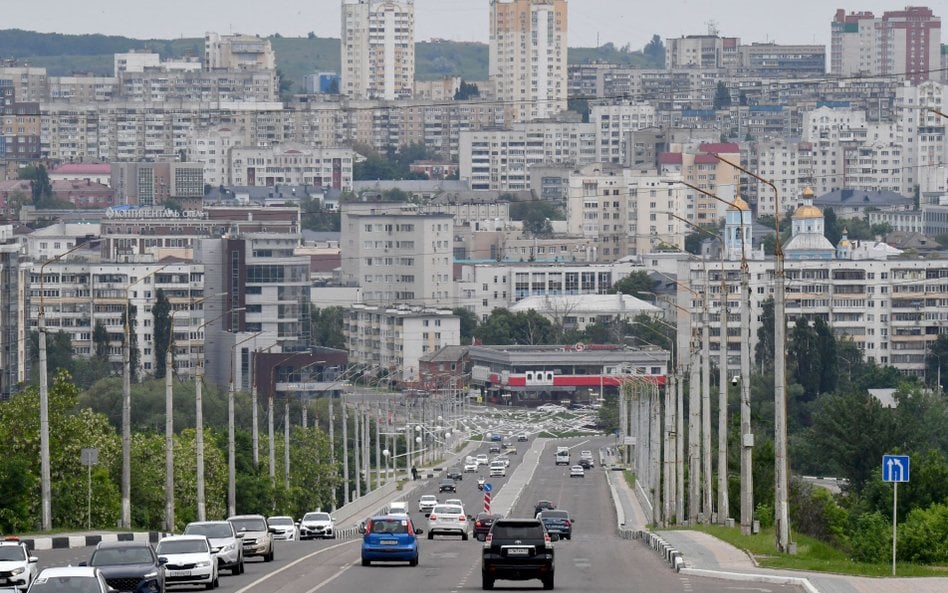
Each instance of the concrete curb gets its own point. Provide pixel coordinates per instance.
(772, 579)
(62, 542)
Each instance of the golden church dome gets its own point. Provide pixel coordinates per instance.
(808, 211)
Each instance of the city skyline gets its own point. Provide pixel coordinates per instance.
(802, 22)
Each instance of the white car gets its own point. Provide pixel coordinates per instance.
(585, 454)
(225, 543)
(398, 507)
(189, 560)
(17, 567)
(456, 501)
(501, 459)
(284, 528)
(317, 525)
(577, 471)
(448, 519)
(498, 469)
(481, 459)
(88, 579)
(470, 467)
(426, 503)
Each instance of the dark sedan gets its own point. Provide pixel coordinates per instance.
(558, 523)
(482, 525)
(447, 486)
(129, 567)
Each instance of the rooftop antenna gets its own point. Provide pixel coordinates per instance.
(712, 28)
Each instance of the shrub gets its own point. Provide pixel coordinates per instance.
(814, 511)
(871, 538)
(765, 514)
(924, 536)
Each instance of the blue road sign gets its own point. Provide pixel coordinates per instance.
(896, 468)
(488, 487)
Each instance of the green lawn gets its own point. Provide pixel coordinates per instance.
(812, 555)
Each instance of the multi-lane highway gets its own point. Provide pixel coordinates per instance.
(594, 560)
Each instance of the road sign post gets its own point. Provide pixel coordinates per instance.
(895, 469)
(487, 489)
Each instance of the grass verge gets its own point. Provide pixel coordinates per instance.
(812, 554)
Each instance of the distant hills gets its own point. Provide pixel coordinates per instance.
(64, 55)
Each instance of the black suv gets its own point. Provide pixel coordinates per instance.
(129, 566)
(517, 550)
(447, 486)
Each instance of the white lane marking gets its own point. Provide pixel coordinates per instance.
(294, 563)
(332, 578)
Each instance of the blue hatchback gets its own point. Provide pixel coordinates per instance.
(390, 537)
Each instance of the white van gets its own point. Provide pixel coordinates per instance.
(498, 469)
(562, 456)
(399, 507)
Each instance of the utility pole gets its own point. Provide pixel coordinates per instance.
(345, 449)
(706, 501)
(655, 453)
(271, 436)
(199, 439)
(286, 442)
(378, 446)
(680, 447)
(255, 430)
(694, 435)
(169, 438)
(356, 455)
(667, 452)
(126, 520)
(723, 502)
(231, 450)
(747, 437)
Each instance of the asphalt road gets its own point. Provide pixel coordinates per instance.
(594, 560)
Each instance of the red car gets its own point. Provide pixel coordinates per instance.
(482, 524)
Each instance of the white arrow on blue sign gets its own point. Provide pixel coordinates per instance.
(488, 487)
(895, 468)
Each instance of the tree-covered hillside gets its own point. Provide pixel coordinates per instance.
(296, 56)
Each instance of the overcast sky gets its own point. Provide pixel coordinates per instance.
(618, 21)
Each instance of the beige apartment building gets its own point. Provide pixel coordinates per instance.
(378, 49)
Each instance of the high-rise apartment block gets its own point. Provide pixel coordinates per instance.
(528, 47)
(378, 49)
(901, 42)
(238, 52)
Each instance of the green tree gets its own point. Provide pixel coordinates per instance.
(831, 228)
(537, 225)
(535, 210)
(579, 105)
(468, 323)
(316, 218)
(693, 241)
(524, 328)
(722, 97)
(42, 189)
(128, 320)
(654, 50)
(59, 354)
(764, 352)
(936, 363)
(162, 334)
(327, 326)
(467, 90)
(637, 284)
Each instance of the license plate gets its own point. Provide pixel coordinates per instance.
(518, 551)
(389, 542)
(181, 573)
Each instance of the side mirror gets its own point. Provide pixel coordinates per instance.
(271, 529)
(362, 528)
(240, 535)
(83, 563)
(162, 561)
(33, 559)
(419, 531)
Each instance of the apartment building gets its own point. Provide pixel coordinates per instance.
(237, 52)
(701, 51)
(501, 159)
(378, 49)
(155, 183)
(30, 84)
(395, 337)
(78, 294)
(13, 363)
(696, 165)
(528, 57)
(825, 129)
(772, 60)
(291, 164)
(921, 134)
(613, 123)
(397, 253)
(786, 163)
(900, 42)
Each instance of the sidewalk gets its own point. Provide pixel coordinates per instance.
(705, 555)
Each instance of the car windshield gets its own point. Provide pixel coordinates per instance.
(72, 584)
(250, 524)
(280, 521)
(389, 526)
(8, 553)
(429, 498)
(210, 530)
(129, 555)
(519, 530)
(182, 546)
(317, 517)
(555, 515)
(446, 509)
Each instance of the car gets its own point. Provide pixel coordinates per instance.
(390, 537)
(84, 579)
(585, 454)
(577, 471)
(482, 524)
(129, 566)
(512, 451)
(448, 519)
(541, 506)
(498, 469)
(225, 543)
(496, 437)
(521, 438)
(189, 560)
(482, 459)
(493, 449)
(397, 507)
(454, 475)
(456, 501)
(501, 459)
(447, 486)
(557, 523)
(317, 524)
(17, 567)
(257, 537)
(585, 463)
(426, 503)
(471, 467)
(519, 550)
(284, 528)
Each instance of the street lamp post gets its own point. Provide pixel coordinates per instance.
(781, 461)
(45, 480)
(231, 430)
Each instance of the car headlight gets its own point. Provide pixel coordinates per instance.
(229, 548)
(151, 575)
(17, 571)
(202, 564)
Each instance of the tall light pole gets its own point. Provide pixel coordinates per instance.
(231, 429)
(126, 519)
(781, 461)
(45, 487)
